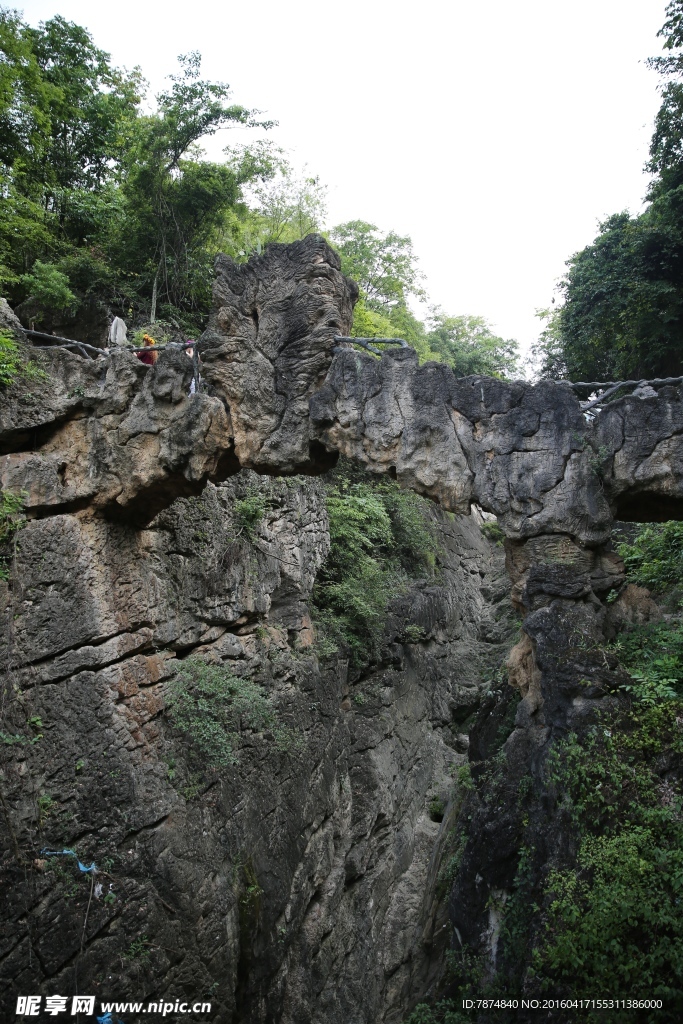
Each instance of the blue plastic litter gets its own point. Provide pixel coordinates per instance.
(71, 853)
(105, 1019)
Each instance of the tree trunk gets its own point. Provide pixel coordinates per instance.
(153, 312)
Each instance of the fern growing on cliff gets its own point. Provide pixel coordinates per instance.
(10, 359)
(381, 539)
(210, 706)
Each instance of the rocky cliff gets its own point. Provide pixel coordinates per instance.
(304, 881)
(297, 884)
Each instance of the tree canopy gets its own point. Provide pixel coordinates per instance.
(622, 315)
(118, 201)
(107, 200)
(385, 267)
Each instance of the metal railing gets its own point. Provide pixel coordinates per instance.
(608, 388)
(368, 343)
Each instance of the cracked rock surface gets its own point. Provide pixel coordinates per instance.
(125, 439)
(297, 885)
(304, 884)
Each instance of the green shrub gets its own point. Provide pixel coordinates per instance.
(614, 917)
(49, 287)
(653, 655)
(464, 776)
(436, 808)
(34, 373)
(443, 1012)
(210, 706)
(249, 511)
(10, 359)
(413, 634)
(381, 538)
(655, 557)
(13, 367)
(493, 532)
(11, 514)
(12, 519)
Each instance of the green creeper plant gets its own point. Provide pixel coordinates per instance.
(381, 538)
(210, 705)
(10, 359)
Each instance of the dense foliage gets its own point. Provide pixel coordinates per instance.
(385, 268)
(654, 558)
(381, 539)
(613, 918)
(443, 1012)
(622, 316)
(106, 201)
(210, 706)
(10, 359)
(99, 196)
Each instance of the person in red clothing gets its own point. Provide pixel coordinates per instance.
(149, 358)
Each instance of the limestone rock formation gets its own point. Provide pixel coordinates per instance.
(126, 438)
(269, 889)
(269, 346)
(525, 452)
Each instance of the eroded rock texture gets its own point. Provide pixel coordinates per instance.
(295, 886)
(301, 885)
(125, 438)
(269, 346)
(526, 453)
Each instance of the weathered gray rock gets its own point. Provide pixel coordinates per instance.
(269, 346)
(127, 438)
(270, 889)
(115, 435)
(335, 833)
(525, 453)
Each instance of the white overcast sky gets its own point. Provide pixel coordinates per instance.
(496, 134)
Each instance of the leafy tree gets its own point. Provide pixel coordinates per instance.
(469, 346)
(622, 315)
(120, 203)
(547, 354)
(654, 558)
(623, 311)
(288, 206)
(384, 266)
(277, 204)
(666, 149)
(23, 93)
(88, 104)
(63, 111)
(175, 201)
(49, 286)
